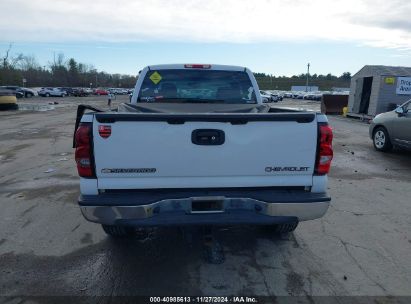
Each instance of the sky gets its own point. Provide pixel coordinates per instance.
(277, 37)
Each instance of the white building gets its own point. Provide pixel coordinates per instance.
(376, 89)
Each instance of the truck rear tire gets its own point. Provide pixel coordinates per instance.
(117, 231)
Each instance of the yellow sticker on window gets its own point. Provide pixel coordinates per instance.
(389, 80)
(156, 77)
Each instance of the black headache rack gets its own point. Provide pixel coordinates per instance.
(81, 109)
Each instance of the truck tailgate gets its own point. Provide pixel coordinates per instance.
(142, 151)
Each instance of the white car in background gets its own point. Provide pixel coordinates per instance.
(288, 95)
(266, 97)
(118, 91)
(89, 91)
(275, 96)
(299, 95)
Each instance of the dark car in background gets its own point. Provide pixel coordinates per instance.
(79, 92)
(68, 90)
(19, 91)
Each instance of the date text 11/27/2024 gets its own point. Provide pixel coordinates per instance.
(203, 299)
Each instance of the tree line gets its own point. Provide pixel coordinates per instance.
(324, 82)
(24, 70)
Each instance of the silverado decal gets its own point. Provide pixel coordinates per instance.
(129, 170)
(288, 169)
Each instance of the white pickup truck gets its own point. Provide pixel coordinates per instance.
(196, 146)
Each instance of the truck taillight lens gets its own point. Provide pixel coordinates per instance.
(84, 152)
(324, 150)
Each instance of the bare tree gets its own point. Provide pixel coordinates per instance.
(57, 62)
(28, 62)
(60, 59)
(15, 61)
(6, 57)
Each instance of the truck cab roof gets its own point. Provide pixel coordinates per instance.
(196, 66)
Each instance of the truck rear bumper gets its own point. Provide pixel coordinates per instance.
(110, 209)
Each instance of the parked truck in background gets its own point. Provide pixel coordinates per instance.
(196, 146)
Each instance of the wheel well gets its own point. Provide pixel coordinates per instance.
(379, 126)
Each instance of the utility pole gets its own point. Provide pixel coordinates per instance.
(308, 75)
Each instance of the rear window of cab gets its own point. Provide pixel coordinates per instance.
(197, 86)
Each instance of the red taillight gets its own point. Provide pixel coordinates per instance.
(324, 150)
(197, 66)
(83, 155)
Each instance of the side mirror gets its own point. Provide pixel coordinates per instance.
(399, 110)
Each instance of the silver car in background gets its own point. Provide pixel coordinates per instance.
(392, 128)
(266, 97)
(54, 92)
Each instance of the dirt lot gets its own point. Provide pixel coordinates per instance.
(361, 247)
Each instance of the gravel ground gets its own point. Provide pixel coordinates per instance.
(360, 248)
